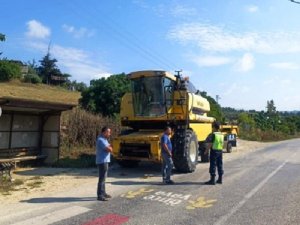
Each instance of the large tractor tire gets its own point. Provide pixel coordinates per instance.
(128, 163)
(186, 153)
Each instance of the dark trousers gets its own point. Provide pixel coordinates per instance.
(216, 159)
(167, 166)
(103, 168)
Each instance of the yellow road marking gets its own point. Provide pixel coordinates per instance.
(201, 203)
(133, 194)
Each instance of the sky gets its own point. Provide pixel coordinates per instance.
(245, 51)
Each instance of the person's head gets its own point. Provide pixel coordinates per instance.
(168, 130)
(106, 132)
(216, 126)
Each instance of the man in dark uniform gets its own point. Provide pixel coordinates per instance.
(215, 142)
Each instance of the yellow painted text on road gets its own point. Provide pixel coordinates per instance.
(133, 194)
(201, 202)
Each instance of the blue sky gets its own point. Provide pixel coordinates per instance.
(247, 52)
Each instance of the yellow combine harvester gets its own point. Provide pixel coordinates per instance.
(160, 99)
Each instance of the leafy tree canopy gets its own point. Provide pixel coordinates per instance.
(104, 95)
(74, 85)
(215, 108)
(2, 37)
(9, 70)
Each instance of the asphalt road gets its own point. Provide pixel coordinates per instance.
(260, 187)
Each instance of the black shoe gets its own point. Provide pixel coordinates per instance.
(219, 181)
(102, 199)
(211, 181)
(107, 196)
(169, 182)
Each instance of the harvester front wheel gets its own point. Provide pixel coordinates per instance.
(187, 161)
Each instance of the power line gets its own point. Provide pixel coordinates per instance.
(125, 37)
(298, 2)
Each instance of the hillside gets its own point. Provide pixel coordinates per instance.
(39, 92)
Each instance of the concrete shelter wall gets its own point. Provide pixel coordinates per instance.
(5, 121)
(52, 155)
(50, 139)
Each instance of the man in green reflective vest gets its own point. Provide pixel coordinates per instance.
(215, 142)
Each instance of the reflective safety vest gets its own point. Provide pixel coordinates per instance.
(218, 141)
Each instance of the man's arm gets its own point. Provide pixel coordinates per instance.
(105, 145)
(109, 148)
(209, 141)
(166, 149)
(208, 147)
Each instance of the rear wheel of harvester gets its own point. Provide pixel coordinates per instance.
(128, 163)
(186, 151)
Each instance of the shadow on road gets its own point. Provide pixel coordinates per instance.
(58, 200)
(145, 169)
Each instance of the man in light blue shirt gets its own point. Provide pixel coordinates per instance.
(166, 153)
(103, 150)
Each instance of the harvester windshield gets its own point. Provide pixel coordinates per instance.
(152, 95)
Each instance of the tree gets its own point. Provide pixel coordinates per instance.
(75, 86)
(215, 108)
(271, 109)
(2, 38)
(48, 69)
(246, 121)
(32, 74)
(104, 95)
(9, 70)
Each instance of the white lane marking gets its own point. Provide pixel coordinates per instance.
(54, 216)
(224, 218)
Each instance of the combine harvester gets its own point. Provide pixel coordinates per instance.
(159, 99)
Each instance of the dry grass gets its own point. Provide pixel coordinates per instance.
(39, 92)
(78, 137)
(81, 128)
(8, 187)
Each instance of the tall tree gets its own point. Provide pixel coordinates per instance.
(48, 69)
(2, 38)
(271, 109)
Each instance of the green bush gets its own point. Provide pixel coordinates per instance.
(32, 78)
(9, 70)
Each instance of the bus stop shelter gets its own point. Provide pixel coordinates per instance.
(30, 129)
